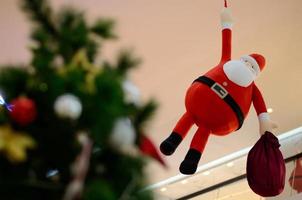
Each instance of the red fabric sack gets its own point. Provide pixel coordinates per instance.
(265, 167)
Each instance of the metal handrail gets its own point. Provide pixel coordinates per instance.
(220, 161)
(229, 181)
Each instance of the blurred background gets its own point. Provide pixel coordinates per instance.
(180, 40)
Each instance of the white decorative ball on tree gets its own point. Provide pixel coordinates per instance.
(123, 134)
(68, 106)
(132, 93)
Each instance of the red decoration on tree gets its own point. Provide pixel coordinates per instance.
(23, 111)
(295, 179)
(148, 148)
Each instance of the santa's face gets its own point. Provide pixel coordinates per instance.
(241, 72)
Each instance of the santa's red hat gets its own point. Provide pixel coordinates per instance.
(257, 60)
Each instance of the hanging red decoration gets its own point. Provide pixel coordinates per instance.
(148, 148)
(225, 3)
(295, 179)
(265, 167)
(219, 101)
(23, 111)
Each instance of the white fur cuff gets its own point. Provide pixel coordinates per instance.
(226, 25)
(263, 116)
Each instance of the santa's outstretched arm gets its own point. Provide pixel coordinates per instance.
(226, 24)
(265, 124)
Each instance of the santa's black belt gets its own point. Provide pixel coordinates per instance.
(225, 96)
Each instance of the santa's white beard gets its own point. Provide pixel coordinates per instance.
(239, 73)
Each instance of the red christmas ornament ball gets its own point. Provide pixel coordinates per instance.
(23, 111)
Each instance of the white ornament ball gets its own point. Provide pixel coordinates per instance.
(68, 106)
(132, 93)
(123, 134)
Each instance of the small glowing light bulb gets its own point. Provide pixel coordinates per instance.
(230, 164)
(206, 173)
(2, 102)
(184, 181)
(51, 173)
(163, 189)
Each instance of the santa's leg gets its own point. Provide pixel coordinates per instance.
(199, 141)
(181, 129)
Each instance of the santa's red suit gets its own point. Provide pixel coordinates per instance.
(218, 102)
(208, 111)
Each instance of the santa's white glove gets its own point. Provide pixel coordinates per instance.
(226, 18)
(265, 124)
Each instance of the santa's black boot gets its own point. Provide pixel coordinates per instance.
(169, 145)
(190, 163)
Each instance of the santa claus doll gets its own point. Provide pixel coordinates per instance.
(219, 101)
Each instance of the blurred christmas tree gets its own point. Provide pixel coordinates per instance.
(74, 129)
